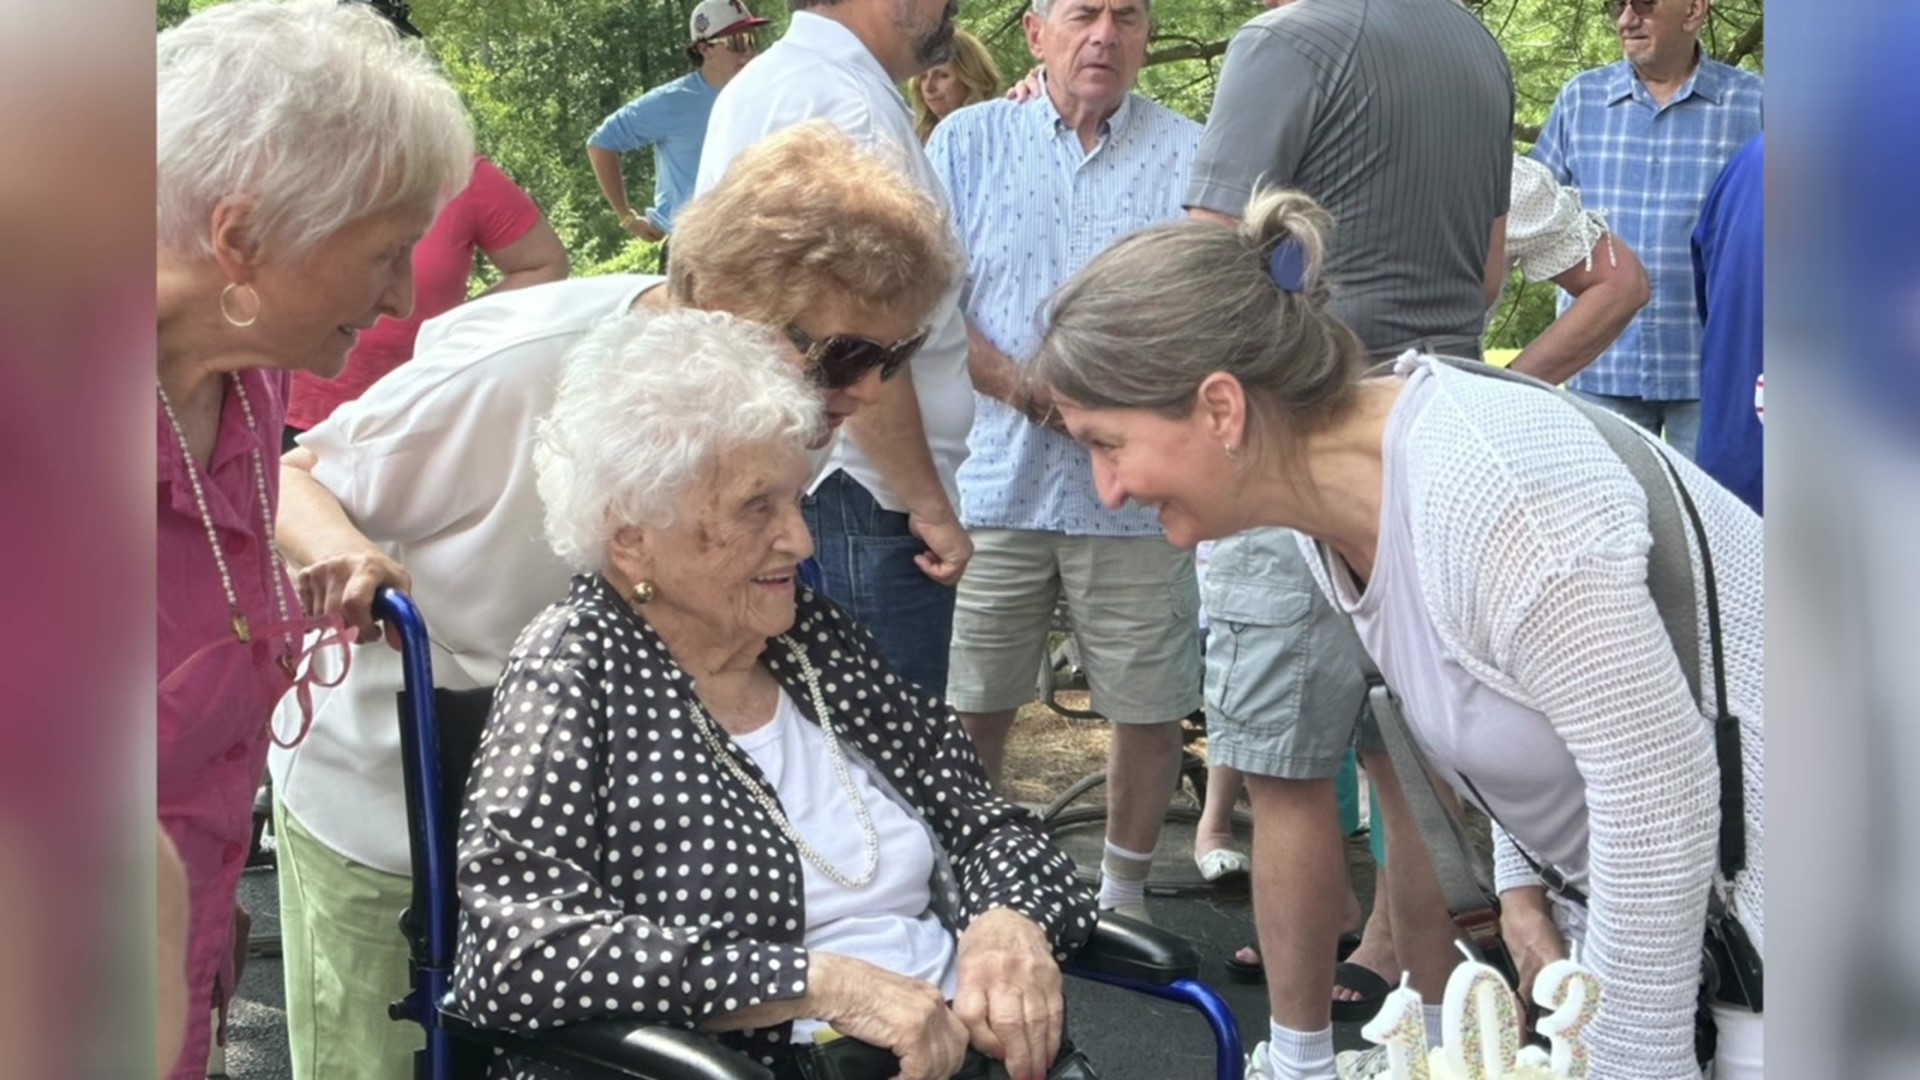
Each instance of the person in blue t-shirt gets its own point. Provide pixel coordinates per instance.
(1727, 282)
(672, 118)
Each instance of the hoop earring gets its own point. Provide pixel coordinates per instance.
(643, 592)
(227, 293)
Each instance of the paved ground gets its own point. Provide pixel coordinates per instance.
(1130, 1037)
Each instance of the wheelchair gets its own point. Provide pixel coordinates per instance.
(440, 733)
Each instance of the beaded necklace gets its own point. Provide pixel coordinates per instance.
(758, 791)
(239, 619)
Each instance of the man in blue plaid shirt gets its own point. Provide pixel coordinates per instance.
(1643, 141)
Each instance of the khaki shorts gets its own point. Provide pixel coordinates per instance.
(1135, 608)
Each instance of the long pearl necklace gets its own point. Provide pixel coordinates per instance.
(758, 791)
(239, 619)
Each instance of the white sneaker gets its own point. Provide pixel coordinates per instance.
(1361, 1064)
(1260, 1066)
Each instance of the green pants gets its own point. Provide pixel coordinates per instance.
(344, 960)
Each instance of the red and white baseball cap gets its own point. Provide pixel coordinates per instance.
(718, 18)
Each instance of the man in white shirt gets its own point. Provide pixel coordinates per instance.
(888, 539)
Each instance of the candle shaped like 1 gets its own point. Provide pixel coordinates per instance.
(1401, 1027)
(1480, 1022)
(1572, 991)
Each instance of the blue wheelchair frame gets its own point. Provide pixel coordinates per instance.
(1121, 952)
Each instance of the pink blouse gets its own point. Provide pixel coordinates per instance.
(213, 726)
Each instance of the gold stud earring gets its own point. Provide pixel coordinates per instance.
(643, 592)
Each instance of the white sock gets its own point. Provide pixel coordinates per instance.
(1431, 1014)
(1299, 1055)
(1123, 876)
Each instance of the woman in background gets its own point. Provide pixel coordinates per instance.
(968, 79)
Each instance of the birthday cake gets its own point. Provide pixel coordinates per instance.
(1481, 1038)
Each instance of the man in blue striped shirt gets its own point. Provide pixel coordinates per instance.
(1643, 140)
(1038, 189)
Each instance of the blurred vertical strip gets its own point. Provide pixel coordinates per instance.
(1843, 349)
(76, 562)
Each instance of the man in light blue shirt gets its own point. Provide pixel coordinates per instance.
(1038, 189)
(1643, 140)
(672, 118)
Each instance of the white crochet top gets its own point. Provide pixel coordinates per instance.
(1531, 543)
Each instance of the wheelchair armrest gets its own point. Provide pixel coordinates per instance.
(1134, 950)
(619, 1050)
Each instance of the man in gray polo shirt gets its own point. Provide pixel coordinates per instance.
(1396, 116)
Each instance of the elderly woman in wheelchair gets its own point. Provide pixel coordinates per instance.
(702, 798)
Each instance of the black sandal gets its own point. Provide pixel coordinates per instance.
(1366, 982)
(1252, 971)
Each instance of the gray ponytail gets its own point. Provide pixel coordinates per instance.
(1144, 323)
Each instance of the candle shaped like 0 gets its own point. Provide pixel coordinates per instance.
(1481, 1024)
(1401, 1027)
(1572, 991)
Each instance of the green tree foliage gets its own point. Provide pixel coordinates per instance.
(539, 75)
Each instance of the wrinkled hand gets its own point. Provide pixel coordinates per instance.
(948, 546)
(1532, 938)
(907, 1016)
(1023, 91)
(347, 584)
(645, 229)
(1009, 994)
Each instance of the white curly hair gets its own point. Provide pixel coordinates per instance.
(647, 401)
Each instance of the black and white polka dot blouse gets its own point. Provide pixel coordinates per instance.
(609, 866)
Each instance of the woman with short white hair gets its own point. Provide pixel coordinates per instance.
(703, 798)
(302, 148)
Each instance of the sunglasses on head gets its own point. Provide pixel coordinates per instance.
(1642, 8)
(841, 360)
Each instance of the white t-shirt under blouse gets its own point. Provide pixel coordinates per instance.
(890, 921)
(1509, 751)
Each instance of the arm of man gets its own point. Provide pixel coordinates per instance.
(631, 127)
(891, 434)
(1498, 268)
(1609, 288)
(1258, 130)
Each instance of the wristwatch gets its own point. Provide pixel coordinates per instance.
(630, 216)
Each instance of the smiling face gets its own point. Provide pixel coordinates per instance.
(1664, 37)
(724, 571)
(1092, 49)
(313, 306)
(1175, 466)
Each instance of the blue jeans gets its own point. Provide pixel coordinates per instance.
(1679, 421)
(866, 553)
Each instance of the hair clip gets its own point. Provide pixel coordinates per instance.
(1288, 266)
